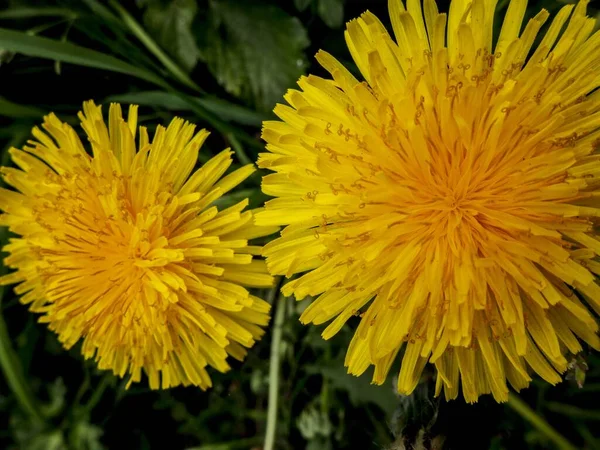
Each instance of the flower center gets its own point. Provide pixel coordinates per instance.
(454, 201)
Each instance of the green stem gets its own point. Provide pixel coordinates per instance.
(84, 387)
(588, 436)
(325, 397)
(325, 388)
(153, 47)
(97, 394)
(573, 411)
(589, 387)
(13, 372)
(274, 371)
(519, 406)
(63, 38)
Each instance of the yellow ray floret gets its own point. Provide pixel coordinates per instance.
(450, 200)
(122, 248)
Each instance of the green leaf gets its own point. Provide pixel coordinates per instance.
(331, 12)
(301, 5)
(48, 440)
(28, 12)
(42, 47)
(313, 423)
(232, 112)
(10, 109)
(85, 436)
(98, 9)
(57, 392)
(255, 51)
(319, 444)
(171, 25)
(5, 56)
(225, 110)
(151, 98)
(359, 389)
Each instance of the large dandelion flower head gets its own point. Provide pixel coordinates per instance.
(124, 249)
(449, 200)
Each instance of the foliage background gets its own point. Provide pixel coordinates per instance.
(223, 64)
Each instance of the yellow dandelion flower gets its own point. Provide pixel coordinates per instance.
(449, 199)
(124, 250)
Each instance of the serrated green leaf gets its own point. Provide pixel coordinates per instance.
(331, 12)
(171, 25)
(255, 51)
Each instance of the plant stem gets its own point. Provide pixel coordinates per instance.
(519, 406)
(573, 411)
(325, 387)
(274, 371)
(13, 372)
(588, 436)
(153, 47)
(97, 394)
(84, 387)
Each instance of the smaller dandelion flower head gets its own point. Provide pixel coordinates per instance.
(450, 199)
(124, 249)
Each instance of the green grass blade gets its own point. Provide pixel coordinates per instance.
(42, 47)
(225, 110)
(139, 32)
(10, 109)
(26, 13)
(232, 112)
